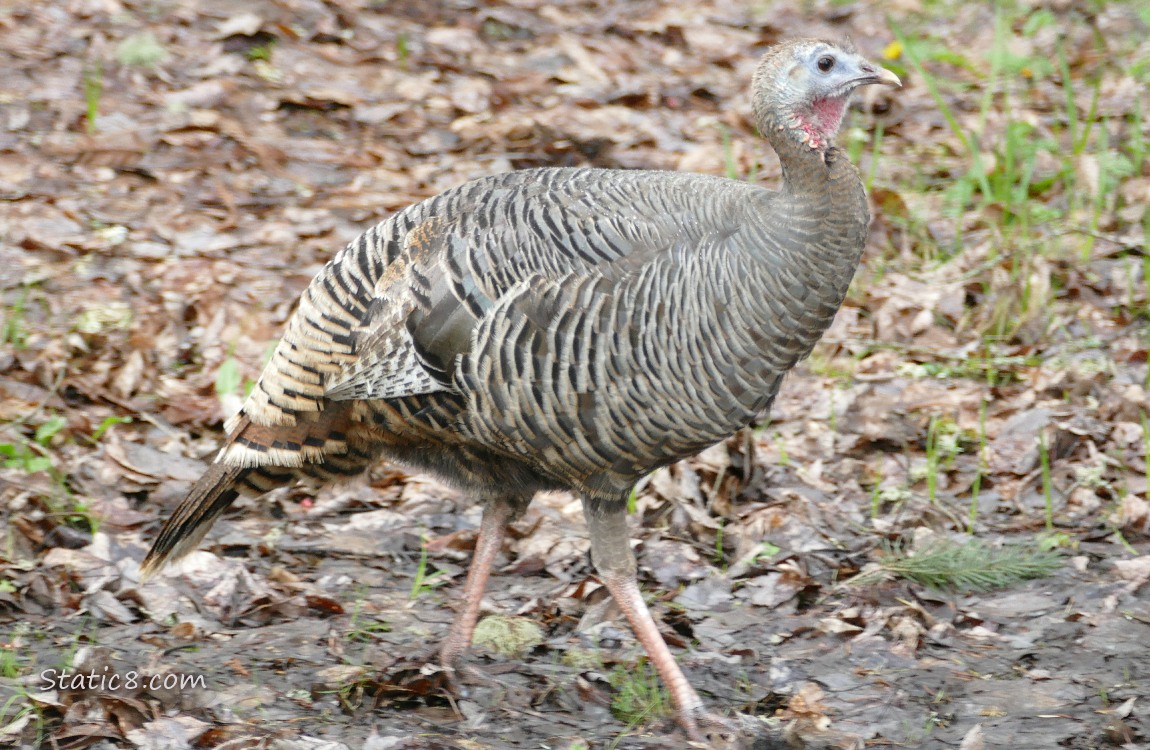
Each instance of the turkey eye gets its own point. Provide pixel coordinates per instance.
(826, 62)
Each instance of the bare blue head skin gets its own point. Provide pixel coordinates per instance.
(801, 90)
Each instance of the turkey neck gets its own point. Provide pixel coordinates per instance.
(812, 237)
(822, 200)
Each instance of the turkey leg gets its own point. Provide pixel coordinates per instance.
(496, 516)
(611, 553)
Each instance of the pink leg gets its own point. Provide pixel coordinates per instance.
(496, 516)
(611, 552)
(687, 703)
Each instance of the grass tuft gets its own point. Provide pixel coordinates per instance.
(93, 83)
(424, 582)
(639, 694)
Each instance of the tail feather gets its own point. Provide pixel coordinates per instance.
(257, 459)
(216, 490)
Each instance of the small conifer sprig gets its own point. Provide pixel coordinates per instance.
(970, 565)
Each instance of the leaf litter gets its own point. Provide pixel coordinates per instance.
(171, 183)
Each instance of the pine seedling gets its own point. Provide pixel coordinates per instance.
(971, 565)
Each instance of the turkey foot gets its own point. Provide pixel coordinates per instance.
(460, 678)
(702, 725)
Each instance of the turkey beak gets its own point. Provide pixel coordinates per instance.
(876, 74)
(886, 78)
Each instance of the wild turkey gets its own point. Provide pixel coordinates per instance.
(562, 329)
